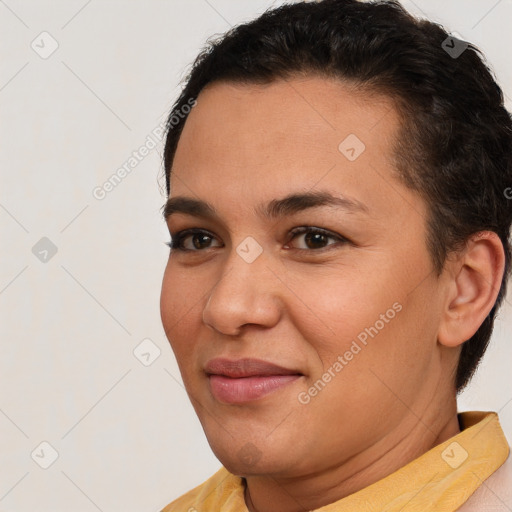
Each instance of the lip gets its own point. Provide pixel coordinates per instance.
(246, 380)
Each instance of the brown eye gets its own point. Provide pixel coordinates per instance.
(200, 241)
(192, 241)
(315, 238)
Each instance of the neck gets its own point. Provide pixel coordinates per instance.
(415, 436)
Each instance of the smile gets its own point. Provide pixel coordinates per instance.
(246, 380)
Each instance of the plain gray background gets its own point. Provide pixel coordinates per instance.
(124, 434)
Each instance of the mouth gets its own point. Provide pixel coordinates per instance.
(246, 380)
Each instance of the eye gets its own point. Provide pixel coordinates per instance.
(192, 240)
(196, 240)
(315, 238)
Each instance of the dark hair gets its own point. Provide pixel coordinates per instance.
(455, 141)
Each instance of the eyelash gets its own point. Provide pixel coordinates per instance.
(175, 244)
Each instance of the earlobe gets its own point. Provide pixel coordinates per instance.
(474, 286)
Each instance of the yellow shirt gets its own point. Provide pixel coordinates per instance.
(440, 480)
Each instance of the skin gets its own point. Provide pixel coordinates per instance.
(243, 145)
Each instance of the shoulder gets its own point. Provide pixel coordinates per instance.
(494, 493)
(210, 495)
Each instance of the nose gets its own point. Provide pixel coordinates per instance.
(246, 294)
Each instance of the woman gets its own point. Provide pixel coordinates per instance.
(339, 250)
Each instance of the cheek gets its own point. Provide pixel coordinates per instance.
(168, 302)
(179, 307)
(369, 314)
(338, 304)
(385, 336)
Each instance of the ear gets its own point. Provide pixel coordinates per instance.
(473, 285)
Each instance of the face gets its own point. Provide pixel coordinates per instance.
(297, 306)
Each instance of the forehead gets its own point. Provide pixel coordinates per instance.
(244, 141)
(236, 122)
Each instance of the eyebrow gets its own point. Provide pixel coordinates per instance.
(288, 205)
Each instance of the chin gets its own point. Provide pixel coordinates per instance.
(249, 459)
